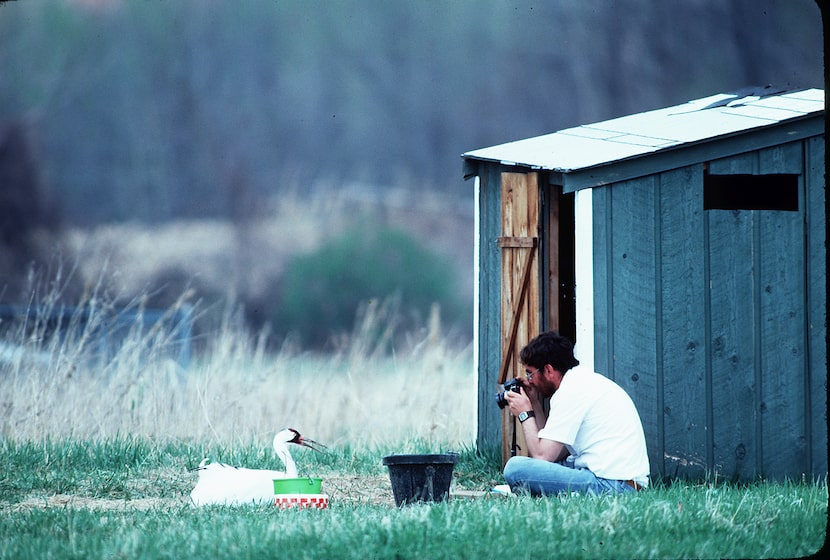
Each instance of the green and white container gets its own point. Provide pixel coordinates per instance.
(297, 485)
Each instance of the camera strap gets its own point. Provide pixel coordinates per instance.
(513, 445)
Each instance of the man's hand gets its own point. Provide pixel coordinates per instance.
(519, 402)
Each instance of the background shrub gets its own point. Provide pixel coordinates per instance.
(323, 290)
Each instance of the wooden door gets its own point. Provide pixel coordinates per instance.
(520, 298)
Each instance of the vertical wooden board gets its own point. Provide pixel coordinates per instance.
(734, 369)
(682, 363)
(634, 274)
(551, 263)
(520, 218)
(489, 328)
(782, 343)
(783, 158)
(815, 202)
(782, 337)
(601, 217)
(732, 296)
(534, 296)
(634, 292)
(530, 324)
(511, 189)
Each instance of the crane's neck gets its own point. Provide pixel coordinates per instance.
(287, 460)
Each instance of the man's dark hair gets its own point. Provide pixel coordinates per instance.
(549, 348)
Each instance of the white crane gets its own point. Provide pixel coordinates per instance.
(223, 484)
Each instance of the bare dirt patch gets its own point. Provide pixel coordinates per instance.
(104, 504)
(373, 490)
(376, 490)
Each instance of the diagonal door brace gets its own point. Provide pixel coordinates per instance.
(507, 353)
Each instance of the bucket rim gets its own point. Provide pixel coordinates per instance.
(299, 485)
(308, 479)
(421, 459)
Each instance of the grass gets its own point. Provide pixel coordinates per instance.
(131, 468)
(96, 459)
(236, 393)
(599, 528)
(109, 479)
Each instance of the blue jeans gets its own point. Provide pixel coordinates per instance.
(543, 478)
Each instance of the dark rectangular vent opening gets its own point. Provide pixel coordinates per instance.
(750, 192)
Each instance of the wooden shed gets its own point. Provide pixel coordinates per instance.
(683, 249)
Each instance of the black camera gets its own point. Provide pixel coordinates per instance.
(509, 385)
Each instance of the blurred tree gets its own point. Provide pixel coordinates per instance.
(323, 290)
(142, 108)
(25, 209)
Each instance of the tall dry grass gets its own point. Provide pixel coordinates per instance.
(235, 390)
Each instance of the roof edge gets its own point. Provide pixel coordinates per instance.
(794, 130)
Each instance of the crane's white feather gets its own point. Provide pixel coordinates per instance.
(224, 484)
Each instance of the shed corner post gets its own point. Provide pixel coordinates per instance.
(584, 276)
(486, 332)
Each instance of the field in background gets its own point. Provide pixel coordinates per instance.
(237, 387)
(244, 260)
(237, 392)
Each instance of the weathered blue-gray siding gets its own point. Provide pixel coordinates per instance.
(715, 320)
(489, 317)
(815, 208)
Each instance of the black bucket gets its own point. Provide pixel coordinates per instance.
(420, 478)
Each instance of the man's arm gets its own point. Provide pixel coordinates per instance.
(541, 448)
(538, 448)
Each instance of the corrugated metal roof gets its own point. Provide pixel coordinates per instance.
(636, 135)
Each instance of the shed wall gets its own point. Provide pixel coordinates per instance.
(714, 320)
(816, 205)
(489, 433)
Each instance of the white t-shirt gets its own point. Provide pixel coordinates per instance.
(599, 424)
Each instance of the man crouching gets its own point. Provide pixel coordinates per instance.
(591, 441)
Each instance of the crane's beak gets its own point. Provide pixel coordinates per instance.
(311, 444)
